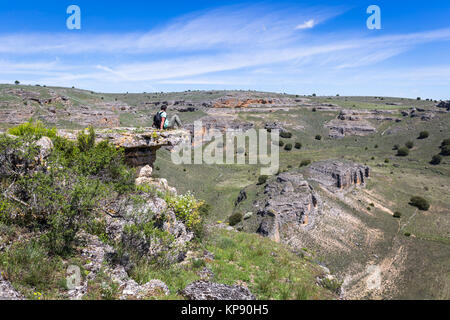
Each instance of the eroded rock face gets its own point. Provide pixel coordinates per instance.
(339, 173)
(205, 290)
(288, 200)
(342, 128)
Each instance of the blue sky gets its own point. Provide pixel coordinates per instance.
(300, 47)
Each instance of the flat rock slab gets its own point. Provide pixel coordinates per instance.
(205, 290)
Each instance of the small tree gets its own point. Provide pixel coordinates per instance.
(409, 144)
(403, 152)
(436, 159)
(424, 135)
(262, 180)
(285, 135)
(420, 203)
(305, 163)
(288, 147)
(445, 147)
(234, 219)
(318, 137)
(281, 143)
(17, 82)
(298, 145)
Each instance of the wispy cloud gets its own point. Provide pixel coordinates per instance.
(307, 25)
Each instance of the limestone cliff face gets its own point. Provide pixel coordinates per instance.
(339, 173)
(140, 145)
(289, 201)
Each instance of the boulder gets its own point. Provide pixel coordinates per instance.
(132, 290)
(45, 145)
(7, 291)
(206, 290)
(146, 171)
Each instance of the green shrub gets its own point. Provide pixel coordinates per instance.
(409, 144)
(403, 152)
(262, 180)
(420, 203)
(187, 209)
(386, 160)
(436, 159)
(395, 147)
(288, 147)
(445, 147)
(34, 129)
(424, 135)
(397, 215)
(305, 163)
(298, 145)
(285, 134)
(445, 142)
(332, 284)
(281, 143)
(235, 218)
(318, 137)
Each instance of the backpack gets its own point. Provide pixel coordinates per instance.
(157, 120)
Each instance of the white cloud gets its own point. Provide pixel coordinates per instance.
(307, 25)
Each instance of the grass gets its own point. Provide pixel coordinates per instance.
(269, 270)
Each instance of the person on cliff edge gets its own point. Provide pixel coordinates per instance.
(160, 120)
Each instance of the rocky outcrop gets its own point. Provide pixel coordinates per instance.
(342, 128)
(7, 292)
(339, 173)
(101, 257)
(140, 145)
(205, 290)
(288, 200)
(145, 177)
(274, 126)
(444, 105)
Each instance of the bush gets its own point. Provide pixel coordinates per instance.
(409, 144)
(424, 135)
(288, 147)
(318, 137)
(234, 219)
(305, 163)
(63, 196)
(386, 160)
(445, 142)
(285, 134)
(420, 203)
(403, 152)
(395, 147)
(281, 143)
(298, 145)
(262, 180)
(187, 209)
(397, 215)
(32, 129)
(445, 150)
(445, 147)
(436, 159)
